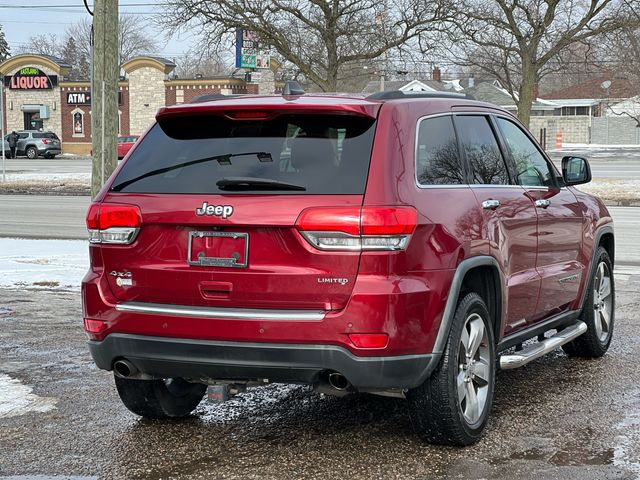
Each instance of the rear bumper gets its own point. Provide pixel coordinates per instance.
(287, 363)
(50, 151)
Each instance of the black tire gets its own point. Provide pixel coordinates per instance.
(595, 342)
(172, 398)
(32, 152)
(436, 412)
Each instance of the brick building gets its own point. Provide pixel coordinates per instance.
(37, 94)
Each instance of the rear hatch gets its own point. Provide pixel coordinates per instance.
(219, 190)
(49, 139)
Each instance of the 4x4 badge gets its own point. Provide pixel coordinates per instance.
(223, 211)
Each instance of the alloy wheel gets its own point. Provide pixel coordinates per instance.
(474, 369)
(602, 301)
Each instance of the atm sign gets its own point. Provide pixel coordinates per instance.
(79, 98)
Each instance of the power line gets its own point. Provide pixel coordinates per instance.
(71, 5)
(30, 22)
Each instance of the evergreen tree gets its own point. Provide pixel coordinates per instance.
(83, 68)
(4, 46)
(69, 52)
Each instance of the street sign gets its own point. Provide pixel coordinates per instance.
(250, 51)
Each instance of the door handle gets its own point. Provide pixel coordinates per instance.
(543, 203)
(490, 204)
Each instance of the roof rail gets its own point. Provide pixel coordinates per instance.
(399, 94)
(207, 97)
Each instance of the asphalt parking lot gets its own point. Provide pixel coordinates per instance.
(557, 418)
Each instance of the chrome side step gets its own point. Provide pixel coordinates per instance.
(537, 350)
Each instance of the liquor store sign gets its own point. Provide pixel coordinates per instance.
(31, 78)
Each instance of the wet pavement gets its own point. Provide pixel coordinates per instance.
(557, 418)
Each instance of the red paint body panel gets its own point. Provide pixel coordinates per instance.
(511, 232)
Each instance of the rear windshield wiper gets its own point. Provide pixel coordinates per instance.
(251, 183)
(224, 159)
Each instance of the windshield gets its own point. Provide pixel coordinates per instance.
(321, 154)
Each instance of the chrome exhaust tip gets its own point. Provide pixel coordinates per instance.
(338, 381)
(124, 368)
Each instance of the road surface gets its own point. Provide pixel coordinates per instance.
(31, 216)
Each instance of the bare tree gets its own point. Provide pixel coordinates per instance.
(516, 41)
(319, 37)
(75, 45)
(200, 62)
(43, 44)
(132, 40)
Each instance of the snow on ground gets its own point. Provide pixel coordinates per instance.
(613, 190)
(49, 177)
(57, 264)
(17, 399)
(597, 150)
(598, 146)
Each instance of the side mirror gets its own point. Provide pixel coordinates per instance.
(575, 171)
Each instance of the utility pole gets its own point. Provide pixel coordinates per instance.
(104, 92)
(4, 177)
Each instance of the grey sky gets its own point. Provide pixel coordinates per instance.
(21, 19)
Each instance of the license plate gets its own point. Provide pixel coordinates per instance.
(218, 249)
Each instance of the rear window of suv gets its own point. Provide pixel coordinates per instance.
(289, 153)
(52, 136)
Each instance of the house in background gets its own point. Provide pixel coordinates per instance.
(405, 86)
(596, 111)
(609, 105)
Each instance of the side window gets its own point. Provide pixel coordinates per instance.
(481, 150)
(533, 169)
(22, 136)
(437, 157)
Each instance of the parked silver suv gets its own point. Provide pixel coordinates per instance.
(33, 144)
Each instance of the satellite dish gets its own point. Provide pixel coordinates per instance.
(606, 84)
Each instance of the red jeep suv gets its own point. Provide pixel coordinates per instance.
(404, 245)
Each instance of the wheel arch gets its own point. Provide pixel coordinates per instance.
(603, 237)
(607, 241)
(479, 274)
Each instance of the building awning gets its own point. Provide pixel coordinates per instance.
(30, 108)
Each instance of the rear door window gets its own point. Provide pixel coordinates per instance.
(437, 156)
(481, 150)
(293, 154)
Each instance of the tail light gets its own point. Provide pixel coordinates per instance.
(356, 229)
(94, 328)
(113, 223)
(45, 141)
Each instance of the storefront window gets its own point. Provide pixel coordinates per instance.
(78, 122)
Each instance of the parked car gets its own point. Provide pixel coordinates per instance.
(403, 245)
(33, 144)
(7, 149)
(125, 144)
